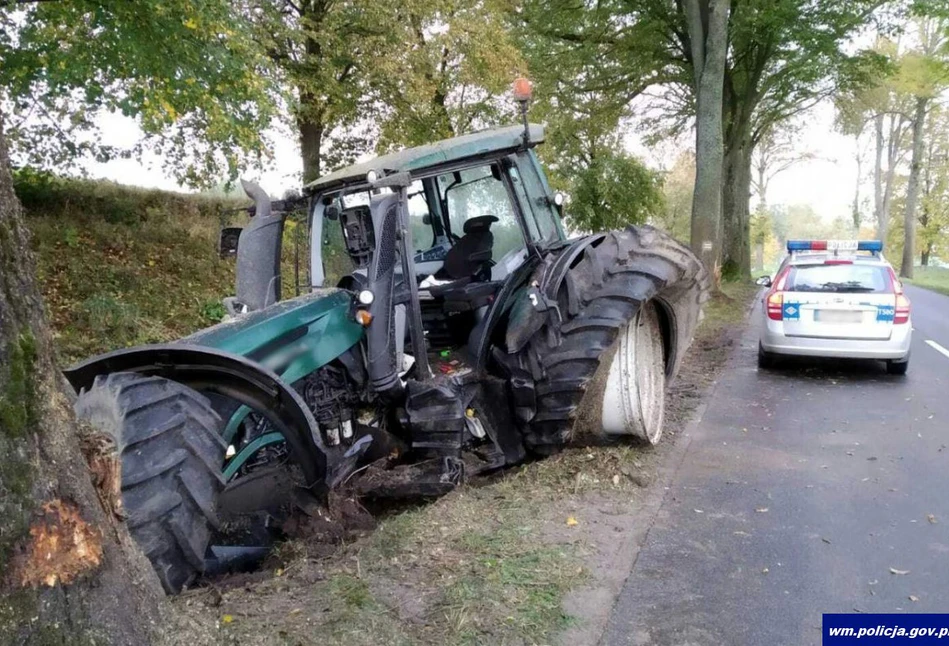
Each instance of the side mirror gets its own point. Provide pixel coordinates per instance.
(230, 236)
(764, 281)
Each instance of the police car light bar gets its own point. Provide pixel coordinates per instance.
(835, 245)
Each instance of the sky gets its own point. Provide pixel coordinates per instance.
(824, 182)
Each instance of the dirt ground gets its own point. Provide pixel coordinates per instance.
(535, 555)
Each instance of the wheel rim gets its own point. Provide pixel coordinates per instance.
(634, 397)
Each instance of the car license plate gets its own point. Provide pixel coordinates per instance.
(838, 316)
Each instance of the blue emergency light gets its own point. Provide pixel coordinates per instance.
(835, 245)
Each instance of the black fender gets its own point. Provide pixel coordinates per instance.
(534, 304)
(233, 376)
(538, 302)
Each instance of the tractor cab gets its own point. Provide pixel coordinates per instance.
(469, 212)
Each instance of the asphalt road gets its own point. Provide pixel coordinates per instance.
(801, 487)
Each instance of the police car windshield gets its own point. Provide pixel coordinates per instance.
(852, 278)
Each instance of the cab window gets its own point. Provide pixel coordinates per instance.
(420, 218)
(479, 191)
(540, 221)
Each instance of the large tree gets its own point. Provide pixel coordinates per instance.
(784, 57)
(933, 217)
(888, 110)
(588, 65)
(923, 74)
(70, 572)
(449, 71)
(707, 40)
(189, 73)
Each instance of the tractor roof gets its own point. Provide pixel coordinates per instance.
(439, 152)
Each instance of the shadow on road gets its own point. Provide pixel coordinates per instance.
(821, 369)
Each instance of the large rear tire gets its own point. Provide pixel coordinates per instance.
(638, 288)
(169, 441)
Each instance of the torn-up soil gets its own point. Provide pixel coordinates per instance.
(534, 556)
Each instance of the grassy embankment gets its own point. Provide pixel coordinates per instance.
(121, 266)
(934, 278)
(486, 564)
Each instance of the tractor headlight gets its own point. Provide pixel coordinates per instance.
(366, 297)
(372, 176)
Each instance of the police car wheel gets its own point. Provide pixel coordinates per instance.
(765, 359)
(897, 367)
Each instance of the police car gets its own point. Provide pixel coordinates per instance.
(835, 298)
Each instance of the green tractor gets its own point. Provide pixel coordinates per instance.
(471, 334)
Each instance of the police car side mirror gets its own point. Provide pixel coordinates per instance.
(764, 281)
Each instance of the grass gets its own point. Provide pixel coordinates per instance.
(934, 278)
(121, 266)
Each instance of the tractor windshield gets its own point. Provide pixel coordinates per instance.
(477, 192)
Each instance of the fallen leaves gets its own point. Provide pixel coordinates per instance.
(572, 522)
(761, 510)
(932, 519)
(913, 598)
(893, 570)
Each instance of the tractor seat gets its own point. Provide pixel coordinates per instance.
(471, 252)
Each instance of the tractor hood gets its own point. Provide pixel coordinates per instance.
(302, 333)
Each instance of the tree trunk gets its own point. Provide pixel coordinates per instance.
(311, 141)
(924, 257)
(892, 155)
(736, 193)
(69, 572)
(878, 178)
(856, 190)
(759, 256)
(912, 190)
(707, 26)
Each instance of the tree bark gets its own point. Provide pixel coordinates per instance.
(892, 156)
(856, 190)
(912, 189)
(311, 142)
(707, 24)
(69, 572)
(878, 178)
(736, 193)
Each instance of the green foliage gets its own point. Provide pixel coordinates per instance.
(452, 78)
(934, 278)
(933, 216)
(189, 73)
(677, 187)
(153, 275)
(213, 311)
(613, 190)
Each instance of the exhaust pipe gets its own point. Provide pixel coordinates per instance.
(383, 370)
(258, 253)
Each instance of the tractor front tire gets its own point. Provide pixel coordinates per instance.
(604, 370)
(168, 439)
